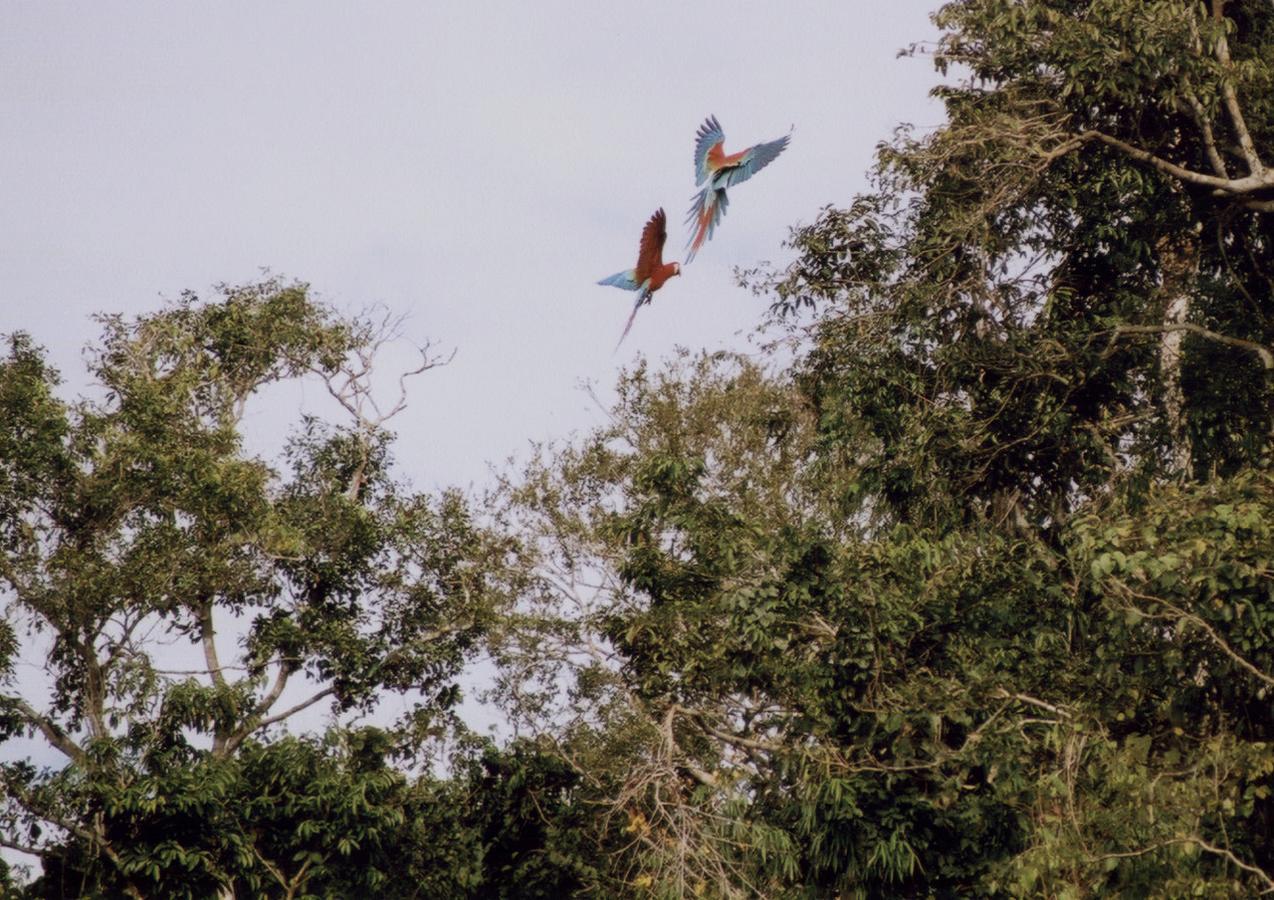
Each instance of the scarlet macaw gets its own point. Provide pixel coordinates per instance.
(651, 271)
(721, 171)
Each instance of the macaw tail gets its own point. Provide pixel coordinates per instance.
(642, 297)
(626, 280)
(706, 210)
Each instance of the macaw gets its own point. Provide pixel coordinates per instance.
(651, 271)
(721, 171)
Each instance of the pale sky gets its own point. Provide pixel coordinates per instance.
(477, 166)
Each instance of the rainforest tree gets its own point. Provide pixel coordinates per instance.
(975, 597)
(188, 599)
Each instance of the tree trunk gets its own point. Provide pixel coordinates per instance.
(1179, 269)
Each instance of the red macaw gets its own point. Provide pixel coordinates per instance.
(651, 271)
(721, 171)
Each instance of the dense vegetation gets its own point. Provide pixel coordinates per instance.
(972, 594)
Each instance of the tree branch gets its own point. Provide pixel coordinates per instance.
(1231, 99)
(242, 734)
(1257, 181)
(1200, 116)
(208, 636)
(58, 738)
(1202, 624)
(1265, 353)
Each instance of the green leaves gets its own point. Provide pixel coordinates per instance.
(137, 521)
(984, 607)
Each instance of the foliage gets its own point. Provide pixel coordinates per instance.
(136, 524)
(974, 597)
(963, 589)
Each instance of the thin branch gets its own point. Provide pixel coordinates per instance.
(1266, 355)
(1200, 116)
(1231, 98)
(224, 745)
(1201, 623)
(50, 729)
(279, 717)
(1257, 181)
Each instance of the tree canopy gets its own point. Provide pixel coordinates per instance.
(974, 596)
(182, 585)
(962, 587)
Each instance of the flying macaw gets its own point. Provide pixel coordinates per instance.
(721, 171)
(651, 271)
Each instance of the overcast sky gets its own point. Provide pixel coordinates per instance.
(475, 165)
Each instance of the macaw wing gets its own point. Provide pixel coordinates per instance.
(626, 280)
(708, 136)
(650, 256)
(752, 160)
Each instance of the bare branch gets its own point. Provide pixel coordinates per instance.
(243, 733)
(1203, 625)
(50, 729)
(208, 637)
(1200, 116)
(1254, 165)
(1257, 181)
(1265, 353)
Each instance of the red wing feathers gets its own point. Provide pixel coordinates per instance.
(650, 256)
(718, 160)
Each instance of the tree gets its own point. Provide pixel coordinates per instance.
(974, 597)
(136, 523)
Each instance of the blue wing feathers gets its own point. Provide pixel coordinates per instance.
(708, 136)
(757, 159)
(627, 280)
